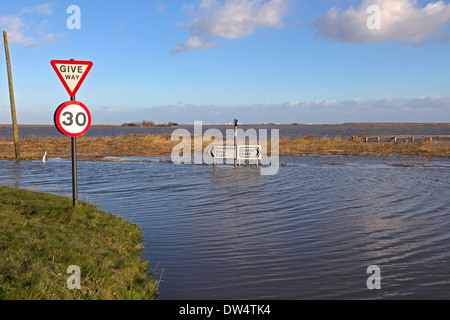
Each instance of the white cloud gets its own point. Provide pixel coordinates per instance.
(232, 19)
(161, 7)
(16, 28)
(45, 8)
(50, 37)
(429, 109)
(401, 20)
(194, 43)
(19, 28)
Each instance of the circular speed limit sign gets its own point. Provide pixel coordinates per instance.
(72, 119)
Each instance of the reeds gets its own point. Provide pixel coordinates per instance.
(33, 148)
(338, 146)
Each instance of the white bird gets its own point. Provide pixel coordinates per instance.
(45, 155)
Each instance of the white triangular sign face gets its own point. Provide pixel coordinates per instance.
(71, 73)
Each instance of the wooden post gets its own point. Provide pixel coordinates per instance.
(11, 97)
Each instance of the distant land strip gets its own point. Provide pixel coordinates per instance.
(174, 124)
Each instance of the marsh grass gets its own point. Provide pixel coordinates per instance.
(33, 148)
(336, 146)
(41, 235)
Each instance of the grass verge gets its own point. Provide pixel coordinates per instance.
(336, 146)
(32, 148)
(41, 235)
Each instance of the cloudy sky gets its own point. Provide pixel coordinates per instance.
(282, 61)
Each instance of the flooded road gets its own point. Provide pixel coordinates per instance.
(309, 232)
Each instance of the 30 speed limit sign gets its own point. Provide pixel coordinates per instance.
(73, 119)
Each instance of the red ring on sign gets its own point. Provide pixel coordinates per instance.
(61, 129)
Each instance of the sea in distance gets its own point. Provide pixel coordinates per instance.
(288, 130)
(309, 232)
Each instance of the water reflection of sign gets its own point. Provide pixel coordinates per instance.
(249, 153)
(222, 152)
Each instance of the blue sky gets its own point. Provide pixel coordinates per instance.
(279, 61)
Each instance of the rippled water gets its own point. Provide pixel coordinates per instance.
(309, 232)
(290, 131)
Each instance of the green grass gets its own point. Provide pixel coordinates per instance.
(41, 235)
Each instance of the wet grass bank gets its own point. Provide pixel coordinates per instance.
(41, 235)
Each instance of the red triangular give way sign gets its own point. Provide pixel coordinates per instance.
(71, 73)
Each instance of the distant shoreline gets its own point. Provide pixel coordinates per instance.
(2, 126)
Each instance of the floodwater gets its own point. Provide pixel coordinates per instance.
(308, 232)
(290, 131)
